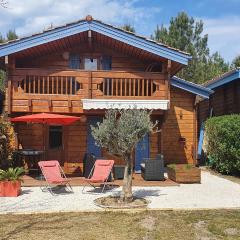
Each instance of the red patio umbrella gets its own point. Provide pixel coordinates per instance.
(47, 118)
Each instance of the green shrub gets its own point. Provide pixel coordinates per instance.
(7, 142)
(11, 174)
(223, 143)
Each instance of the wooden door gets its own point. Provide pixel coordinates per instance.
(55, 143)
(141, 151)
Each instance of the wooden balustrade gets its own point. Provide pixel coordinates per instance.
(63, 85)
(65, 89)
(122, 87)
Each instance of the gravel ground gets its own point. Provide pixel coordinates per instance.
(213, 193)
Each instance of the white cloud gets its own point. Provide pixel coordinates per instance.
(224, 35)
(30, 16)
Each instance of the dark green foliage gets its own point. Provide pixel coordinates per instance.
(2, 81)
(128, 27)
(7, 142)
(11, 35)
(186, 34)
(11, 174)
(223, 143)
(2, 40)
(236, 62)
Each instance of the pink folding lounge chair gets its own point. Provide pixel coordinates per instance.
(54, 175)
(100, 173)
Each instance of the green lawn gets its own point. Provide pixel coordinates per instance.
(147, 225)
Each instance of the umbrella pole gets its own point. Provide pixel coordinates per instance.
(44, 142)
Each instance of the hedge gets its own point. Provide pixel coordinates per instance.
(223, 143)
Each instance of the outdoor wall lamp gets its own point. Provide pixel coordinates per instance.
(182, 140)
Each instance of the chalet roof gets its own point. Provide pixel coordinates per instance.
(194, 88)
(225, 78)
(89, 23)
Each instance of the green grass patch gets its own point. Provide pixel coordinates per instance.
(187, 225)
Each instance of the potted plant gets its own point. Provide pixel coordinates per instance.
(184, 173)
(10, 182)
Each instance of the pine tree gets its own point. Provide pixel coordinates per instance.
(128, 27)
(186, 34)
(236, 62)
(11, 35)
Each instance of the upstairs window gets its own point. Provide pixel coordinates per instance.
(74, 61)
(90, 64)
(106, 62)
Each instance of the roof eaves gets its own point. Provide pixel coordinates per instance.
(98, 26)
(223, 79)
(41, 38)
(191, 87)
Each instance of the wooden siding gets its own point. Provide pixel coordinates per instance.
(120, 61)
(225, 100)
(180, 122)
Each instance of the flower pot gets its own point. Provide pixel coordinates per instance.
(10, 188)
(183, 173)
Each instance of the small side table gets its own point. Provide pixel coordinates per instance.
(31, 159)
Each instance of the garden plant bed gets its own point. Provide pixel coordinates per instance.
(184, 173)
(114, 202)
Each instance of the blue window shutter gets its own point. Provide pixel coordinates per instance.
(74, 61)
(106, 62)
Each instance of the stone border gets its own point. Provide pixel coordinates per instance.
(143, 206)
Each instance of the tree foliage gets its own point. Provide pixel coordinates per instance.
(11, 35)
(128, 27)
(223, 143)
(236, 62)
(119, 133)
(7, 141)
(186, 34)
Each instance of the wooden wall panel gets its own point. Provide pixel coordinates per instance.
(225, 100)
(120, 61)
(180, 122)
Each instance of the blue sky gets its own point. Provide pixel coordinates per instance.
(221, 17)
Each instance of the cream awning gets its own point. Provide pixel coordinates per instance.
(124, 104)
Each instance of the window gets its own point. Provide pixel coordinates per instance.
(90, 64)
(55, 137)
(74, 61)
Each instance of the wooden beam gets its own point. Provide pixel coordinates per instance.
(90, 42)
(6, 60)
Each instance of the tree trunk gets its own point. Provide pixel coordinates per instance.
(126, 194)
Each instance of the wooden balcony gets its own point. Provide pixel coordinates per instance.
(37, 90)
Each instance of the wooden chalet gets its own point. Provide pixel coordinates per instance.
(86, 67)
(225, 98)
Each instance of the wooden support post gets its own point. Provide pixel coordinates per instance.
(49, 103)
(69, 103)
(10, 66)
(90, 43)
(169, 65)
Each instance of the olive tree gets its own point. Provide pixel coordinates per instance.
(119, 133)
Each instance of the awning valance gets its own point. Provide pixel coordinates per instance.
(124, 104)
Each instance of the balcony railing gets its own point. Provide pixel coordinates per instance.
(36, 85)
